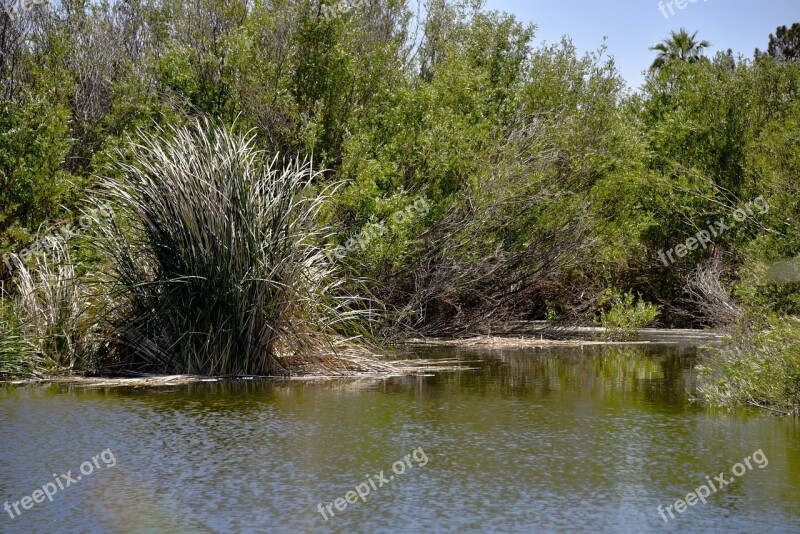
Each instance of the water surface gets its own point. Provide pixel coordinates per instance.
(570, 440)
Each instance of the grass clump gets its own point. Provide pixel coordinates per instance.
(49, 323)
(18, 358)
(214, 254)
(757, 367)
(59, 311)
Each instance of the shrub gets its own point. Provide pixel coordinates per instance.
(624, 314)
(756, 368)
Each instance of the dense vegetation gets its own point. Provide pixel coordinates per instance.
(550, 190)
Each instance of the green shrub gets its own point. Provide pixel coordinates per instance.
(622, 314)
(756, 368)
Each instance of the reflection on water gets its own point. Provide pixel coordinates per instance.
(590, 439)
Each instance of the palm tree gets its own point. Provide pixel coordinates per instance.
(680, 46)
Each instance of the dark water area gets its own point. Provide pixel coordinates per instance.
(555, 440)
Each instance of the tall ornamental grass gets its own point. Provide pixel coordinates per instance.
(214, 256)
(51, 321)
(18, 358)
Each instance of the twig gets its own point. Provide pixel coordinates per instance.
(757, 405)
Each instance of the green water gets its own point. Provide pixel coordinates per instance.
(568, 440)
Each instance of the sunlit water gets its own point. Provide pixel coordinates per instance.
(569, 440)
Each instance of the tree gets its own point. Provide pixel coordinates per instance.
(785, 44)
(681, 47)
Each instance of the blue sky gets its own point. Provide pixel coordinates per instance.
(632, 26)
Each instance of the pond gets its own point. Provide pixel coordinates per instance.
(536, 440)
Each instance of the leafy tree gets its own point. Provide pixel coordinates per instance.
(546, 182)
(785, 44)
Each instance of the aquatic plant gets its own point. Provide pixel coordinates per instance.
(214, 255)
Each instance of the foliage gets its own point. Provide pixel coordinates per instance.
(57, 311)
(213, 253)
(679, 47)
(548, 183)
(34, 140)
(785, 44)
(622, 314)
(17, 357)
(758, 367)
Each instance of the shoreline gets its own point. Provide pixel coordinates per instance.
(356, 364)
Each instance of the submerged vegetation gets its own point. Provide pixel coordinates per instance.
(550, 190)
